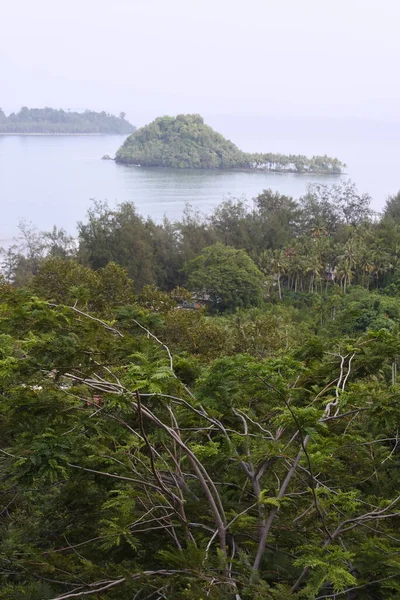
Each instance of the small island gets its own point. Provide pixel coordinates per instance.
(186, 142)
(47, 121)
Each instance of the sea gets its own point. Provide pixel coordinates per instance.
(53, 180)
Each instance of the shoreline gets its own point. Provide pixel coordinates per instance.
(233, 170)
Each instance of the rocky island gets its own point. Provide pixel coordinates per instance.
(186, 142)
(48, 121)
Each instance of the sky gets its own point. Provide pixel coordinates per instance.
(283, 58)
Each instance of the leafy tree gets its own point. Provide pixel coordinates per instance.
(190, 332)
(340, 204)
(120, 236)
(277, 219)
(228, 277)
(59, 243)
(66, 281)
(21, 261)
(232, 224)
(155, 300)
(296, 163)
(392, 208)
(195, 233)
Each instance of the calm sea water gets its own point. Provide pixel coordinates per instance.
(52, 179)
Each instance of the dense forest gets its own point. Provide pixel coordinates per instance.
(206, 409)
(186, 141)
(50, 120)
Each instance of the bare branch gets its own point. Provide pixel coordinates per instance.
(105, 585)
(105, 325)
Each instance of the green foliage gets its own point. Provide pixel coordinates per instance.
(147, 251)
(192, 332)
(186, 141)
(152, 445)
(101, 484)
(33, 591)
(225, 276)
(327, 566)
(328, 206)
(325, 242)
(392, 208)
(188, 369)
(181, 142)
(66, 281)
(155, 300)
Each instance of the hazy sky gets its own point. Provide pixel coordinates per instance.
(234, 57)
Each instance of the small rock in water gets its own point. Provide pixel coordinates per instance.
(107, 157)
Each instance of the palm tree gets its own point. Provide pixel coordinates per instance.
(381, 264)
(348, 262)
(295, 260)
(345, 272)
(274, 263)
(367, 268)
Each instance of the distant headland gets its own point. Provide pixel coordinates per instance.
(186, 142)
(50, 121)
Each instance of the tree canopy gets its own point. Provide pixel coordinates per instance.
(242, 449)
(186, 141)
(50, 120)
(130, 465)
(182, 142)
(227, 277)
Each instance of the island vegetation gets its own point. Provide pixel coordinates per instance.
(186, 142)
(206, 409)
(54, 121)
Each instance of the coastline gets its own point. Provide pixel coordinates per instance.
(232, 170)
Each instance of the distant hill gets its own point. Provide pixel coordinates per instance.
(50, 120)
(183, 142)
(186, 141)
